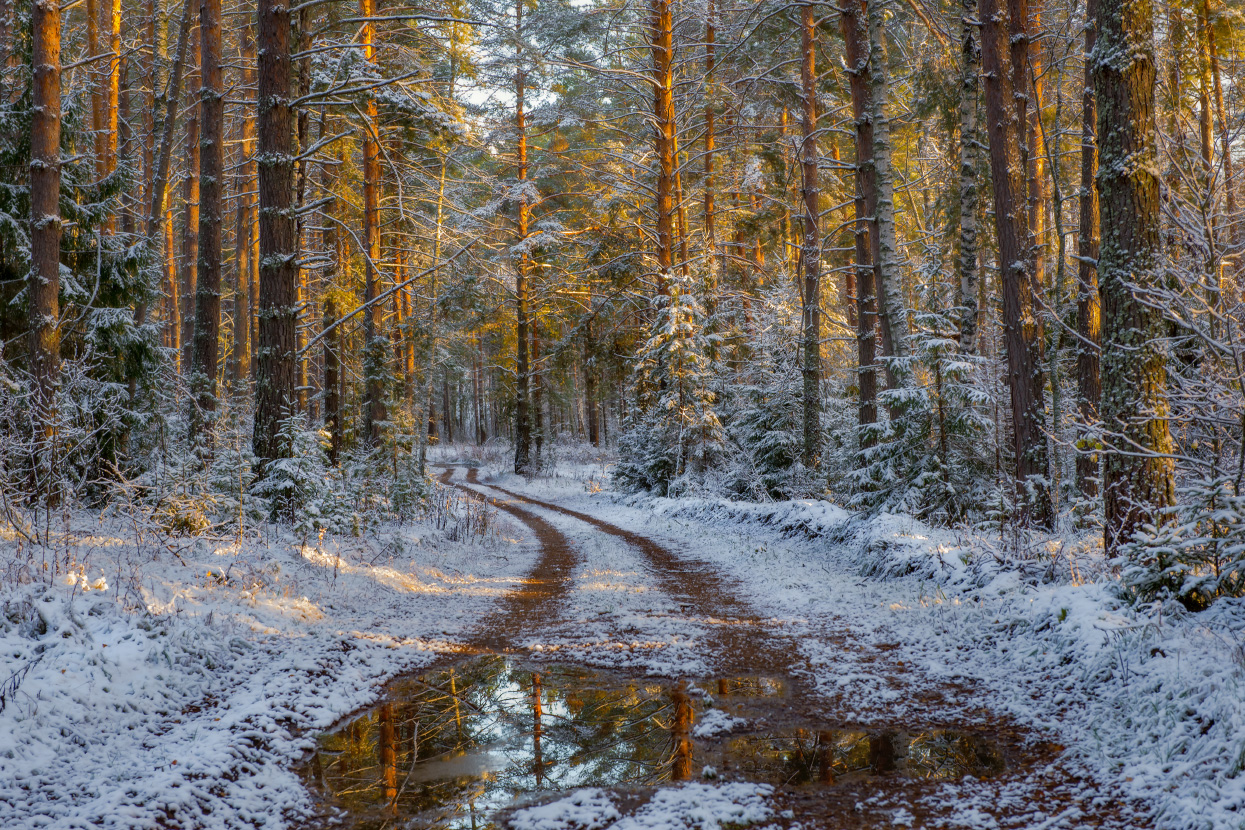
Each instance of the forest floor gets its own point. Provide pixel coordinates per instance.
(171, 682)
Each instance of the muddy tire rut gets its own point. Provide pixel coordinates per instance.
(542, 594)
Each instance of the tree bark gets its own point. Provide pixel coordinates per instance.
(522, 417)
(710, 206)
(374, 414)
(1137, 470)
(211, 211)
(45, 242)
(1088, 306)
(661, 42)
(278, 242)
(970, 51)
(810, 253)
(189, 275)
(892, 317)
(1021, 325)
(864, 202)
(243, 224)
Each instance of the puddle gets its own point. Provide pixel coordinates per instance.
(449, 748)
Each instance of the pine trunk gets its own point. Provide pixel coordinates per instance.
(45, 242)
(864, 202)
(892, 318)
(278, 242)
(969, 195)
(1021, 326)
(1088, 306)
(810, 252)
(211, 211)
(662, 47)
(374, 414)
(522, 417)
(1138, 469)
(189, 264)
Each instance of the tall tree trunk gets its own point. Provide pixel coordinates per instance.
(969, 194)
(374, 414)
(1137, 470)
(810, 252)
(522, 417)
(1035, 163)
(711, 245)
(190, 219)
(1021, 324)
(332, 339)
(892, 317)
(278, 241)
(1235, 230)
(203, 369)
(1088, 308)
(661, 33)
(592, 413)
(45, 243)
(243, 310)
(864, 202)
(112, 99)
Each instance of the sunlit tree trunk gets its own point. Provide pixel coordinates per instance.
(43, 284)
(331, 242)
(1236, 231)
(189, 264)
(1137, 469)
(374, 414)
(278, 240)
(522, 418)
(892, 317)
(243, 221)
(810, 252)
(1022, 327)
(710, 206)
(662, 47)
(1088, 308)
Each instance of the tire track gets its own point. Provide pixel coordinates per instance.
(544, 591)
(738, 632)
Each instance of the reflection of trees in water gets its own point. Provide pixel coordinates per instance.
(451, 746)
(481, 734)
(823, 757)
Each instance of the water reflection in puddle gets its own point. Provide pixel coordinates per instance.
(450, 748)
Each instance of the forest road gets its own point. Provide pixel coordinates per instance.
(736, 632)
(1037, 788)
(544, 592)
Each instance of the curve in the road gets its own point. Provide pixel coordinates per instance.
(737, 629)
(545, 589)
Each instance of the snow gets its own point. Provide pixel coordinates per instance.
(715, 722)
(172, 681)
(689, 807)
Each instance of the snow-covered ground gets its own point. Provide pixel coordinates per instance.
(1147, 700)
(173, 682)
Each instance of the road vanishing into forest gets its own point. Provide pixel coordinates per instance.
(667, 601)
